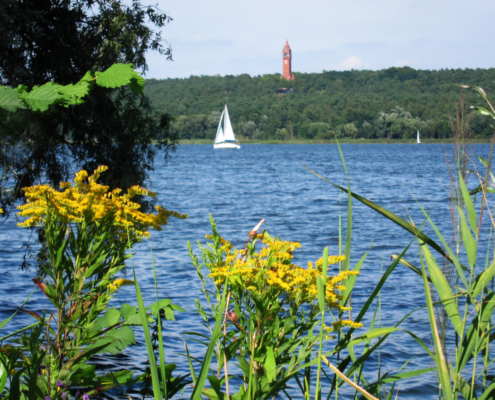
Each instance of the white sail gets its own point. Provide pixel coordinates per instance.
(225, 138)
(228, 132)
(419, 141)
(219, 138)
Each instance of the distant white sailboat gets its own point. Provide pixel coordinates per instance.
(225, 138)
(419, 140)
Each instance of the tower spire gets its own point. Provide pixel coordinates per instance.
(287, 62)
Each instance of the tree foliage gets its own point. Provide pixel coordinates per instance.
(392, 103)
(58, 41)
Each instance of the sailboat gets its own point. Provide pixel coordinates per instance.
(225, 138)
(419, 140)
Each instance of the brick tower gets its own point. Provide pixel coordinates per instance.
(287, 62)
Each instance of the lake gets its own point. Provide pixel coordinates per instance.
(239, 188)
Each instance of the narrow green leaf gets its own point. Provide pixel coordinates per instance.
(488, 393)
(372, 334)
(270, 365)
(19, 331)
(451, 256)
(321, 293)
(347, 251)
(444, 290)
(468, 239)
(410, 266)
(191, 368)
(442, 367)
(351, 281)
(203, 373)
(476, 331)
(482, 280)
(6, 321)
(471, 211)
(483, 111)
(3, 375)
(147, 339)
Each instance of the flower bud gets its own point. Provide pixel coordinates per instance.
(232, 316)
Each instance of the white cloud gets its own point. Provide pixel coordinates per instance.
(353, 62)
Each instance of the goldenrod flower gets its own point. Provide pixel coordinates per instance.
(271, 272)
(93, 202)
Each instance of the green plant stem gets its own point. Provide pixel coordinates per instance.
(160, 336)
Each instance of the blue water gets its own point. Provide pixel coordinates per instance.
(240, 187)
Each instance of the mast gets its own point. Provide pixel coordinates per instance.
(219, 138)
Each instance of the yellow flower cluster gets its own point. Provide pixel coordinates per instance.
(118, 283)
(270, 271)
(92, 201)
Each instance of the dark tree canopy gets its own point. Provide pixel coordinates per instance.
(59, 40)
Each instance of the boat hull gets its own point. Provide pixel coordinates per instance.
(226, 146)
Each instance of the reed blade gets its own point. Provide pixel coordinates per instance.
(203, 373)
(147, 338)
(440, 360)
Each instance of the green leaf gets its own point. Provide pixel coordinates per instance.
(9, 99)
(6, 321)
(477, 331)
(488, 392)
(147, 337)
(115, 76)
(127, 311)
(372, 334)
(88, 77)
(137, 83)
(321, 293)
(399, 376)
(440, 360)
(347, 251)
(205, 366)
(163, 303)
(112, 316)
(444, 290)
(169, 314)
(351, 281)
(120, 338)
(468, 239)
(270, 365)
(42, 97)
(74, 94)
(469, 205)
(483, 111)
(3, 375)
(482, 280)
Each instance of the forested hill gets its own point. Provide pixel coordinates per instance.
(392, 103)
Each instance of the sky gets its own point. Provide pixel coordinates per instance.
(232, 37)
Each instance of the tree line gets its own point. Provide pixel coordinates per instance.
(389, 104)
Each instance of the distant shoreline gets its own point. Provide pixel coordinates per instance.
(343, 141)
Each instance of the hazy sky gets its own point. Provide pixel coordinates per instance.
(236, 37)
